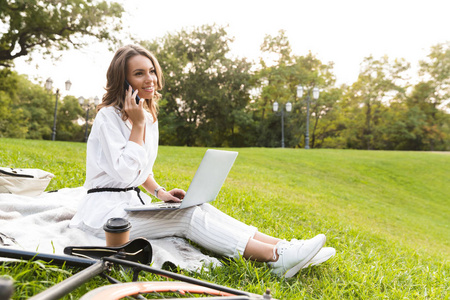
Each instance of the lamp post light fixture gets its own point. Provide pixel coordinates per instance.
(308, 100)
(48, 86)
(87, 104)
(288, 109)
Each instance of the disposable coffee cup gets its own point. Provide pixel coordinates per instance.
(117, 232)
(6, 288)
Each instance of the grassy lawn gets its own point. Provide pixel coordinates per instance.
(386, 213)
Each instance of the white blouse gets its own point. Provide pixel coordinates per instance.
(114, 162)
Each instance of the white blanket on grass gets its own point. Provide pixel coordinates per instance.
(41, 224)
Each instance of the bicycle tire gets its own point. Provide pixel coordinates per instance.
(121, 290)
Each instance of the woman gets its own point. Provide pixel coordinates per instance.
(121, 151)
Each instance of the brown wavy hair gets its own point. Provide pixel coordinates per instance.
(116, 75)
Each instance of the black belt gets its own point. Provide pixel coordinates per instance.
(101, 190)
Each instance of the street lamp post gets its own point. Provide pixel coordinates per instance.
(288, 109)
(308, 100)
(87, 104)
(48, 86)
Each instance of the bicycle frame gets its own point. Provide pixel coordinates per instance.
(97, 267)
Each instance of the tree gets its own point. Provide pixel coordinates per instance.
(404, 128)
(367, 100)
(327, 118)
(435, 71)
(29, 25)
(206, 92)
(27, 112)
(67, 127)
(13, 122)
(278, 77)
(420, 121)
(311, 72)
(37, 105)
(431, 96)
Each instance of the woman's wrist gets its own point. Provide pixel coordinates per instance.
(158, 189)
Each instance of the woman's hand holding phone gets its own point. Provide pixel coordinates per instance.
(127, 86)
(135, 112)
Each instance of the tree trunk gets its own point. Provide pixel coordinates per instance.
(368, 130)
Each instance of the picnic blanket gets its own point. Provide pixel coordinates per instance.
(41, 224)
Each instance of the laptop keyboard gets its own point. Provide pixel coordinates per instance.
(168, 205)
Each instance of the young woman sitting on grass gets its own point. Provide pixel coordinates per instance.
(121, 151)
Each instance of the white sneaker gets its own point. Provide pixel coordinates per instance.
(323, 255)
(294, 256)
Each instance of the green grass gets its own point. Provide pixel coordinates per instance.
(386, 213)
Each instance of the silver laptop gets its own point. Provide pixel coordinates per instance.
(206, 184)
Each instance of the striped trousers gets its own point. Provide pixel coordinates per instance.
(204, 224)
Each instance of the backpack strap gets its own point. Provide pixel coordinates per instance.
(14, 173)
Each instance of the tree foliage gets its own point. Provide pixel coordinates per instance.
(432, 97)
(278, 78)
(213, 99)
(206, 92)
(67, 127)
(28, 111)
(13, 122)
(379, 83)
(28, 25)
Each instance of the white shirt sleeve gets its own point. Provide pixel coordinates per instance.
(123, 159)
(111, 152)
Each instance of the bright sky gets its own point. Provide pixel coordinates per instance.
(341, 31)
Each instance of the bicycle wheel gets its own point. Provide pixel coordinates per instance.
(121, 290)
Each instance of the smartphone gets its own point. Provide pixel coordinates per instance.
(132, 91)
